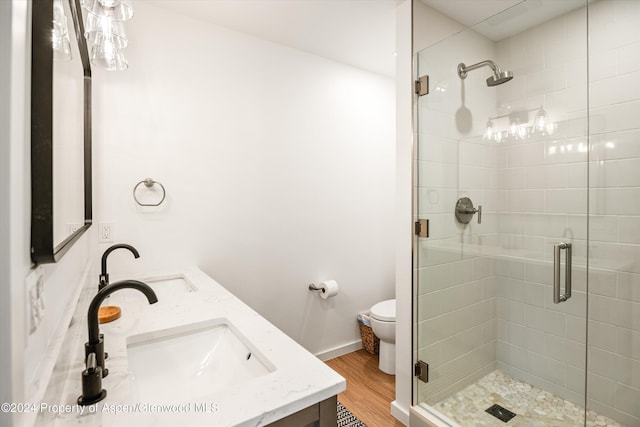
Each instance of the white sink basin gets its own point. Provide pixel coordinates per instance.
(171, 285)
(190, 362)
(166, 288)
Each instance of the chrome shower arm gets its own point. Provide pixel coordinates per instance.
(496, 79)
(464, 69)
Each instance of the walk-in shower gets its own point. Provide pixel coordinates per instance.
(497, 340)
(499, 76)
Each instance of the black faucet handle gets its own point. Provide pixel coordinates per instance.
(92, 391)
(91, 363)
(98, 350)
(104, 281)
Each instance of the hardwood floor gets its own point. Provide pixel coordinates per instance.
(369, 390)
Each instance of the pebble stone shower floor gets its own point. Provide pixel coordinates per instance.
(534, 407)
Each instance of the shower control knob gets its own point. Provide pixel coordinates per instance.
(465, 210)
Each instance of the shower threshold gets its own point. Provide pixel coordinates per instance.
(532, 406)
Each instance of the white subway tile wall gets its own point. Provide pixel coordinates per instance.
(485, 291)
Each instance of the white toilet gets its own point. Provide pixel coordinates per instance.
(383, 323)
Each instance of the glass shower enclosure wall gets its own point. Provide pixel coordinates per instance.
(529, 297)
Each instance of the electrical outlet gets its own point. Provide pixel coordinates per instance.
(106, 232)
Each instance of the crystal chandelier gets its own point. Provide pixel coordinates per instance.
(60, 32)
(105, 32)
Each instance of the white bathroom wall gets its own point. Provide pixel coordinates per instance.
(404, 151)
(27, 361)
(456, 293)
(278, 165)
(614, 224)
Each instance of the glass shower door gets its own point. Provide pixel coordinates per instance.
(614, 211)
(501, 287)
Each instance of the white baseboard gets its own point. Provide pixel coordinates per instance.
(339, 351)
(399, 413)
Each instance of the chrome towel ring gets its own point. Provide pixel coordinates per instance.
(149, 182)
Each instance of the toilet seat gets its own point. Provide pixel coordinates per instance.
(384, 311)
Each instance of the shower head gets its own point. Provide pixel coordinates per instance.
(499, 76)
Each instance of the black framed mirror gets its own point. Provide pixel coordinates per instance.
(61, 205)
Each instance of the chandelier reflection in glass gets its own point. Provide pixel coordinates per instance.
(60, 32)
(105, 32)
(519, 127)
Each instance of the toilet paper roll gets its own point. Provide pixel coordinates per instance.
(328, 289)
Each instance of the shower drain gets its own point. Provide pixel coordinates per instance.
(500, 413)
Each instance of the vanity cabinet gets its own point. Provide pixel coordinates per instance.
(322, 414)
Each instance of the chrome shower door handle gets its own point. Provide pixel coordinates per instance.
(557, 296)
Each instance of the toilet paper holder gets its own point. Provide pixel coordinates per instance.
(314, 287)
(326, 289)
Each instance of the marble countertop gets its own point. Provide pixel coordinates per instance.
(298, 379)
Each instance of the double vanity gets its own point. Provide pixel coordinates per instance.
(197, 357)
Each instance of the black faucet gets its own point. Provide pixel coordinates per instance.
(104, 277)
(92, 391)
